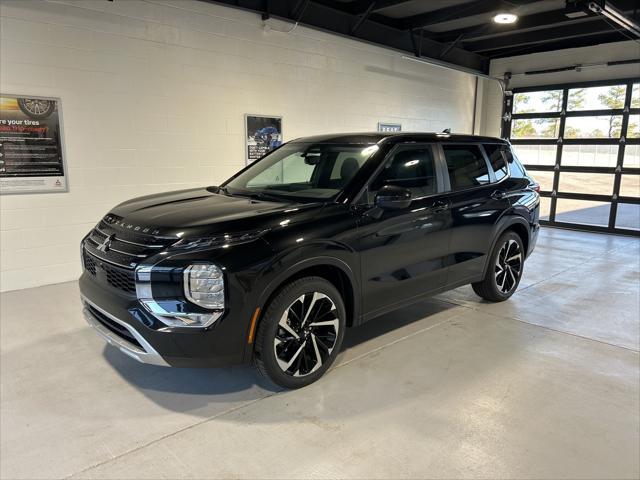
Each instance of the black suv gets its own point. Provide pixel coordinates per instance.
(321, 234)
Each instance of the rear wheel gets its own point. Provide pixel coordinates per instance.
(301, 332)
(504, 271)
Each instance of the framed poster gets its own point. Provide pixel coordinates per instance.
(32, 158)
(263, 134)
(389, 127)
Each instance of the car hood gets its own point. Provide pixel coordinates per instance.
(200, 211)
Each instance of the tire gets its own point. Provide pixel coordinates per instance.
(291, 355)
(504, 272)
(36, 108)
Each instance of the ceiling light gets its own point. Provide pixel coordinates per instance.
(505, 18)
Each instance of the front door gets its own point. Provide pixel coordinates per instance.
(404, 252)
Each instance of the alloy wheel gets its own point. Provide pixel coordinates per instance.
(508, 266)
(306, 335)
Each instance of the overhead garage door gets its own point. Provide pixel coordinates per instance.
(581, 142)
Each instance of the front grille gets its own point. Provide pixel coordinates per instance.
(124, 249)
(119, 278)
(123, 280)
(90, 264)
(114, 327)
(111, 254)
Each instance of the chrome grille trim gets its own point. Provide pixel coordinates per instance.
(106, 243)
(127, 253)
(128, 267)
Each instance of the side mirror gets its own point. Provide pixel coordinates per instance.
(392, 197)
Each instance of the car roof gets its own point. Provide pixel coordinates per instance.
(396, 137)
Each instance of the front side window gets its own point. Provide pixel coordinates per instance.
(303, 171)
(466, 165)
(409, 167)
(497, 160)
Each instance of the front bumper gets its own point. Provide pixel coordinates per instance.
(124, 323)
(106, 326)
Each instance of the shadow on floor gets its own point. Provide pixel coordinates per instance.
(191, 389)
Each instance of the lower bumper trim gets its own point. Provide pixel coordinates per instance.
(146, 354)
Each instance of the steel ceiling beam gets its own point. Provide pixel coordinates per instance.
(454, 12)
(360, 6)
(327, 18)
(526, 22)
(543, 36)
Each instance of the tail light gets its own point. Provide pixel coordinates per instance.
(535, 186)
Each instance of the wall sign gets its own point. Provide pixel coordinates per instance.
(263, 134)
(389, 127)
(32, 156)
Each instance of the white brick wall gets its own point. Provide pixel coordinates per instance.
(154, 95)
(609, 52)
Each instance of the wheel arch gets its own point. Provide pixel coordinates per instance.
(335, 271)
(517, 224)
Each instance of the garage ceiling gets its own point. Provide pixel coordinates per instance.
(452, 31)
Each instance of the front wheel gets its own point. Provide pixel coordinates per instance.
(301, 332)
(505, 269)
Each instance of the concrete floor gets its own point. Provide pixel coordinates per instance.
(545, 385)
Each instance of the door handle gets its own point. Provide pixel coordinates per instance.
(439, 206)
(497, 195)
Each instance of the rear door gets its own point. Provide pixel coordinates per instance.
(404, 252)
(478, 200)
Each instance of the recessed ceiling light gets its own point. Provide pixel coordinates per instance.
(505, 18)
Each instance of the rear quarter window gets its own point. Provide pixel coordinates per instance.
(497, 159)
(516, 168)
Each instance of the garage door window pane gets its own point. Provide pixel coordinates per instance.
(535, 128)
(545, 208)
(630, 186)
(602, 126)
(632, 156)
(595, 183)
(590, 155)
(596, 98)
(628, 216)
(545, 179)
(536, 154)
(537, 102)
(585, 212)
(635, 96)
(634, 126)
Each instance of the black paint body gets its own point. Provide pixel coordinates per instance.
(379, 259)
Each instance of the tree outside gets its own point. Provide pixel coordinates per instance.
(614, 99)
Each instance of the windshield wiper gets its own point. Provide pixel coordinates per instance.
(255, 195)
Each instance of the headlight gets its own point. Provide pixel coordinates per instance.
(204, 286)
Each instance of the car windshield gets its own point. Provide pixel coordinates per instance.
(302, 171)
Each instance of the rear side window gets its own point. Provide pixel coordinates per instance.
(516, 168)
(410, 167)
(466, 165)
(497, 160)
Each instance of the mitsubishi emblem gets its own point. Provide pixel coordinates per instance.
(104, 246)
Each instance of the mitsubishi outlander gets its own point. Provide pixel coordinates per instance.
(321, 234)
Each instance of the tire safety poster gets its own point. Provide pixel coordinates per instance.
(31, 149)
